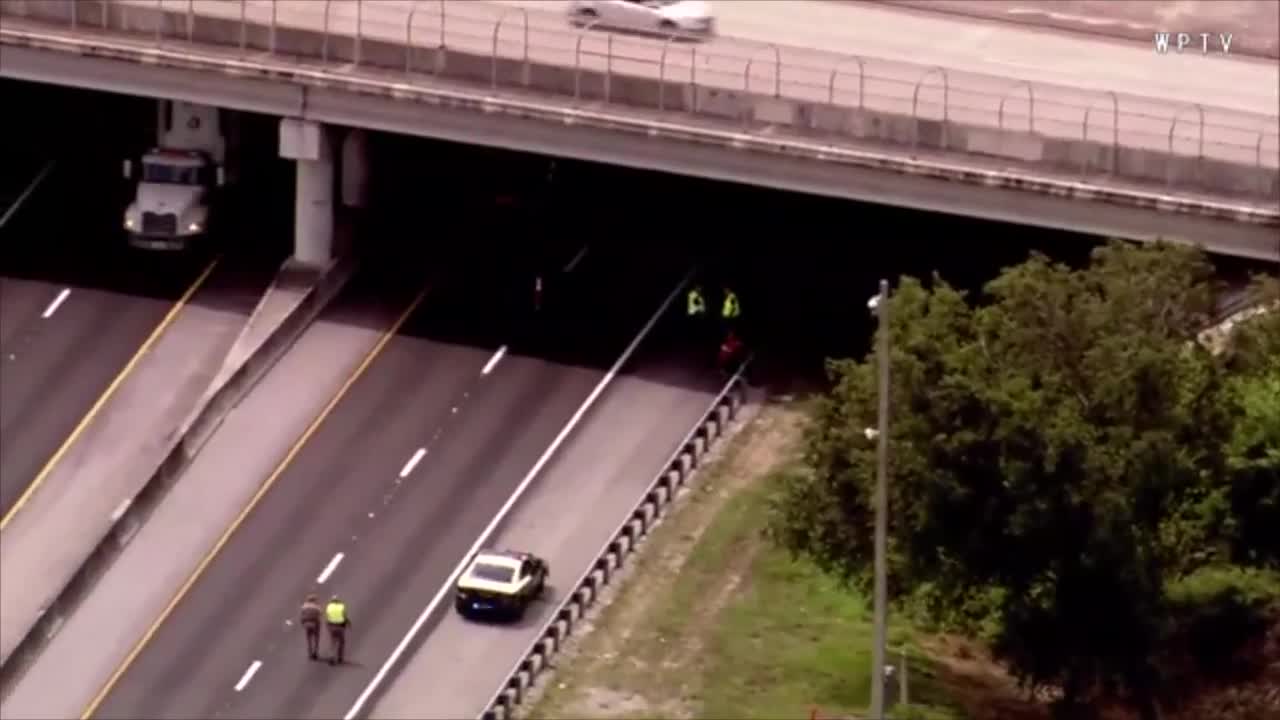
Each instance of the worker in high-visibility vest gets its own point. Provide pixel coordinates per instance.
(335, 616)
(695, 304)
(730, 310)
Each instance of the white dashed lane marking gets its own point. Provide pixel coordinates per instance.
(248, 675)
(328, 569)
(493, 361)
(413, 462)
(57, 302)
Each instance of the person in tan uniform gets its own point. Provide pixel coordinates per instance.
(309, 618)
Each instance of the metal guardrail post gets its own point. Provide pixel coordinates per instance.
(273, 28)
(1031, 105)
(324, 36)
(497, 27)
(777, 70)
(915, 104)
(359, 32)
(1115, 133)
(191, 20)
(662, 71)
(577, 58)
(75, 13)
(1173, 126)
(835, 72)
(1257, 160)
(442, 23)
(244, 29)
(408, 40)
(608, 67)
(442, 50)
(159, 22)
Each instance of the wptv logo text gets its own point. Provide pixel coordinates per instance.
(1201, 42)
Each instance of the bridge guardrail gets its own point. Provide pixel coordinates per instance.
(1099, 135)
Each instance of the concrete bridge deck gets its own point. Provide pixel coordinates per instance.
(772, 99)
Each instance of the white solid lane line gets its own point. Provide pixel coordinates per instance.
(493, 361)
(328, 569)
(576, 259)
(413, 462)
(4, 219)
(248, 675)
(447, 587)
(53, 306)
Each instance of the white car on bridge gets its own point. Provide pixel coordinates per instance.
(686, 18)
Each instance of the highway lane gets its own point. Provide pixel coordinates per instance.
(480, 433)
(75, 306)
(815, 38)
(22, 302)
(579, 503)
(229, 469)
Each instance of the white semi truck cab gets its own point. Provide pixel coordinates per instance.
(179, 181)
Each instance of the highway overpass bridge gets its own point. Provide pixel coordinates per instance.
(754, 111)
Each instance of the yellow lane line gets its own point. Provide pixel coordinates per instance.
(106, 395)
(253, 502)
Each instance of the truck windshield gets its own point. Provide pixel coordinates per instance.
(170, 174)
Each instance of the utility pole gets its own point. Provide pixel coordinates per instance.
(880, 306)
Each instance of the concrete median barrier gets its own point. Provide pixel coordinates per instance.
(261, 344)
(677, 473)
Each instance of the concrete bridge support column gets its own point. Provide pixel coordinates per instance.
(308, 144)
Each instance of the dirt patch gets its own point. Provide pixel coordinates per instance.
(977, 684)
(1254, 25)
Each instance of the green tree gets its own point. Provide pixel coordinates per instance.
(1057, 451)
(1248, 348)
(1254, 341)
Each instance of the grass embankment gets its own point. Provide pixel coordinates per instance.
(712, 621)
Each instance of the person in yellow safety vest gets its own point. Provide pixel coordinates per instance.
(731, 309)
(696, 304)
(335, 616)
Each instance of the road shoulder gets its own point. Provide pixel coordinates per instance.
(730, 626)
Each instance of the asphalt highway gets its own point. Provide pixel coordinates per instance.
(75, 305)
(582, 498)
(393, 488)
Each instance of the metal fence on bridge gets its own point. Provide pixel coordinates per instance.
(1100, 136)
